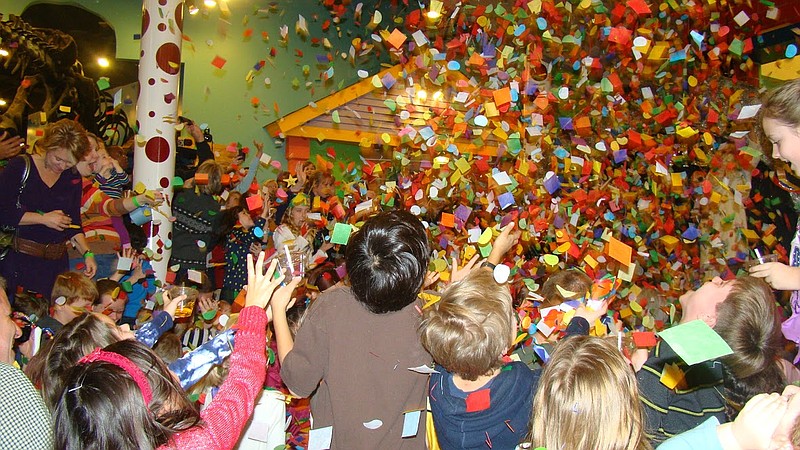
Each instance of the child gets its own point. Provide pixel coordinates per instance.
(588, 400)
(155, 410)
(298, 235)
(356, 344)
(197, 216)
(110, 299)
(73, 294)
(780, 120)
(742, 311)
(112, 181)
(476, 397)
(239, 236)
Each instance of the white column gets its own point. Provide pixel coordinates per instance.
(157, 109)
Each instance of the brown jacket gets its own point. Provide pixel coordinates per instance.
(360, 362)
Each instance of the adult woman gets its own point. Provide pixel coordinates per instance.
(47, 210)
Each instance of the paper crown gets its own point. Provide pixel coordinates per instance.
(301, 200)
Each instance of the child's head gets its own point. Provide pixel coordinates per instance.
(31, 304)
(570, 281)
(297, 213)
(110, 300)
(123, 397)
(169, 347)
(588, 399)
(471, 327)
(77, 338)
(322, 184)
(780, 113)
(387, 260)
(73, 293)
(214, 172)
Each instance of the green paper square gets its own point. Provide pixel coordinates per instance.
(695, 342)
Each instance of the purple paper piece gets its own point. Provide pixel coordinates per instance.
(341, 270)
(443, 242)
(322, 59)
(506, 199)
(552, 184)
(388, 81)
(620, 156)
(565, 123)
(558, 222)
(462, 212)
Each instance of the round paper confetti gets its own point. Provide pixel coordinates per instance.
(501, 273)
(791, 51)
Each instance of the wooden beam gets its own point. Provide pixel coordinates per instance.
(333, 101)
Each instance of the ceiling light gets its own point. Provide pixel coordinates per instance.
(103, 62)
(437, 96)
(3, 52)
(210, 3)
(435, 10)
(3, 102)
(422, 95)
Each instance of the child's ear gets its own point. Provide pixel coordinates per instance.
(709, 320)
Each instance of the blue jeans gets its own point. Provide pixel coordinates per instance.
(106, 265)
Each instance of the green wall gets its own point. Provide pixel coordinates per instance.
(222, 97)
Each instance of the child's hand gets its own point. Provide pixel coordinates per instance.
(206, 305)
(171, 304)
(782, 436)
(756, 423)
(778, 275)
(430, 278)
(507, 238)
(260, 285)
(591, 315)
(458, 274)
(255, 249)
(282, 298)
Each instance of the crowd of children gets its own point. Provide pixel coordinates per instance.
(391, 353)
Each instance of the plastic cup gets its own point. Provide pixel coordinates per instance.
(292, 264)
(760, 260)
(185, 306)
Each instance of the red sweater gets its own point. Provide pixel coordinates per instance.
(232, 407)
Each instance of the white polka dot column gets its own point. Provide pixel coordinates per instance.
(157, 109)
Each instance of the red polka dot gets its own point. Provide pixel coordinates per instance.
(179, 15)
(164, 182)
(145, 21)
(151, 81)
(151, 114)
(162, 27)
(157, 149)
(168, 58)
(162, 2)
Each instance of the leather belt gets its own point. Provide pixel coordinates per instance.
(46, 251)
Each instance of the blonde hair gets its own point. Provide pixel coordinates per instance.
(214, 171)
(572, 280)
(69, 135)
(471, 327)
(588, 399)
(72, 286)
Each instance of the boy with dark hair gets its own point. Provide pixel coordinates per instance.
(357, 344)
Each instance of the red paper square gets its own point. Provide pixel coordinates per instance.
(218, 62)
(478, 400)
(254, 203)
(644, 338)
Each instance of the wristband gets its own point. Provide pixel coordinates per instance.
(136, 202)
(87, 254)
(489, 265)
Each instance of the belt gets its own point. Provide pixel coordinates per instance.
(33, 248)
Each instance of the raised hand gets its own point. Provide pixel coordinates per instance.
(260, 285)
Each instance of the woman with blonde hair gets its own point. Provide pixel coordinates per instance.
(588, 399)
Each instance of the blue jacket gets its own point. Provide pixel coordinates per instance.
(499, 412)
